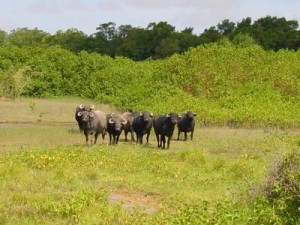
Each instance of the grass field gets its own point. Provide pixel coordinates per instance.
(49, 176)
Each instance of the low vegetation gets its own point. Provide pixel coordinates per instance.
(225, 175)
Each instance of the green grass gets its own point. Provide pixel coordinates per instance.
(49, 176)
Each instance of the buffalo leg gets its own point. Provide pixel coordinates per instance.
(157, 138)
(168, 143)
(86, 137)
(110, 137)
(141, 139)
(192, 133)
(163, 139)
(185, 136)
(125, 132)
(148, 134)
(117, 138)
(132, 135)
(96, 136)
(178, 134)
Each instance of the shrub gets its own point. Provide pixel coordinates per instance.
(283, 188)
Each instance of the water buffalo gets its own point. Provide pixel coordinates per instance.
(128, 126)
(164, 127)
(115, 125)
(78, 116)
(93, 124)
(186, 124)
(141, 125)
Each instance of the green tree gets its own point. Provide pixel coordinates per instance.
(158, 32)
(104, 36)
(226, 27)
(244, 27)
(187, 39)
(167, 47)
(135, 45)
(210, 35)
(243, 40)
(3, 37)
(106, 30)
(71, 39)
(120, 35)
(276, 33)
(27, 37)
(7, 83)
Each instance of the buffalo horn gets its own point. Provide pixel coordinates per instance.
(81, 106)
(92, 106)
(79, 114)
(91, 114)
(124, 121)
(168, 115)
(111, 120)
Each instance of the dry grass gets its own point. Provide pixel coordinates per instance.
(32, 110)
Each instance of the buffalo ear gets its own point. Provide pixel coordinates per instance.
(79, 114)
(111, 121)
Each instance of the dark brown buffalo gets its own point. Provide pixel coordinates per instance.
(186, 124)
(78, 116)
(164, 127)
(142, 124)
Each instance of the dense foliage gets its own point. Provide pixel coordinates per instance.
(159, 40)
(225, 83)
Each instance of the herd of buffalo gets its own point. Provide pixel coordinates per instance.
(94, 122)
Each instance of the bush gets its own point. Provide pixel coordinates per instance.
(283, 189)
(223, 83)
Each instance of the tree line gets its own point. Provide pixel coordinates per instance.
(160, 40)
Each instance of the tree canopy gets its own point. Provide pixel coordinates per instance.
(160, 40)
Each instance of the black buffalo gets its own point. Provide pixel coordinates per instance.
(115, 125)
(93, 124)
(186, 124)
(164, 127)
(128, 126)
(78, 115)
(141, 125)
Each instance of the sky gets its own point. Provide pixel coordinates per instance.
(86, 15)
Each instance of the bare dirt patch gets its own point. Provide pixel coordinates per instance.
(148, 202)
